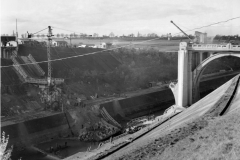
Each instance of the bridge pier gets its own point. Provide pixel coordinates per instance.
(201, 56)
(183, 76)
(192, 60)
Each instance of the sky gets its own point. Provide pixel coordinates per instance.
(119, 16)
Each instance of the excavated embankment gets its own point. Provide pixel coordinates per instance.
(101, 62)
(121, 110)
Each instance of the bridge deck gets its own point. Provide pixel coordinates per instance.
(214, 47)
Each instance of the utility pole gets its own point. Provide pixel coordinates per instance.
(16, 32)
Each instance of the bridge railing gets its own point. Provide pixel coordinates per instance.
(236, 47)
(214, 47)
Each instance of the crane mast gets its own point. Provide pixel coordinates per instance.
(49, 78)
(51, 94)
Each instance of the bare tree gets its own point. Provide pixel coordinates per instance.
(95, 35)
(111, 34)
(152, 35)
(75, 35)
(138, 35)
(131, 35)
(5, 153)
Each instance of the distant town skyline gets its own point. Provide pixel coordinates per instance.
(120, 17)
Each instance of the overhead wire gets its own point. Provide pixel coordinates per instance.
(66, 30)
(209, 25)
(40, 31)
(59, 59)
(175, 33)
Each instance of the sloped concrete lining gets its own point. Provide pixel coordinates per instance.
(39, 130)
(124, 110)
(235, 104)
(215, 99)
(202, 106)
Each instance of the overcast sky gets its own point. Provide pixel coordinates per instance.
(119, 16)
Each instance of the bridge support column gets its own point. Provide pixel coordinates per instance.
(183, 76)
(4, 53)
(201, 57)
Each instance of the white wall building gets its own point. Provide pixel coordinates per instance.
(54, 43)
(82, 46)
(102, 45)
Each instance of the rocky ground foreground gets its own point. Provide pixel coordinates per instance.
(208, 138)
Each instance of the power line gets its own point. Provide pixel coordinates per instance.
(113, 48)
(59, 59)
(66, 30)
(210, 25)
(175, 33)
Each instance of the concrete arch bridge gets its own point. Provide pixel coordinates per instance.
(193, 60)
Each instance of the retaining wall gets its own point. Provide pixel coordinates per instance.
(38, 130)
(125, 109)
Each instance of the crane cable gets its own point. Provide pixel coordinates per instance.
(175, 33)
(40, 31)
(209, 25)
(116, 47)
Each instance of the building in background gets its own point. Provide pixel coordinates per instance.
(200, 37)
(54, 43)
(102, 45)
(8, 46)
(62, 43)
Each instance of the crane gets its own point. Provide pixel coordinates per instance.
(51, 95)
(181, 31)
(49, 55)
(49, 78)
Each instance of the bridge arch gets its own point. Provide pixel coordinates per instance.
(197, 73)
